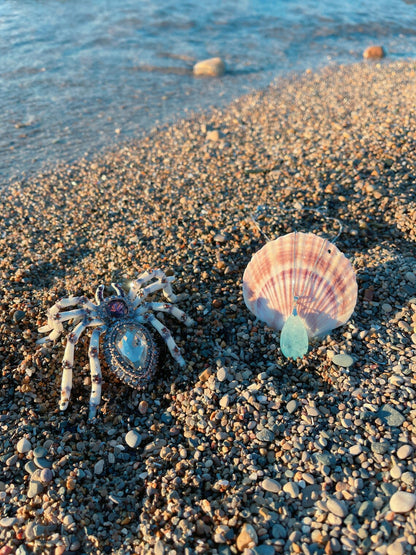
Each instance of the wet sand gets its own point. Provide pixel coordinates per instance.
(241, 448)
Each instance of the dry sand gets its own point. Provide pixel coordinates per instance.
(242, 448)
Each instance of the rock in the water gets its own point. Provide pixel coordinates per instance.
(213, 67)
(247, 537)
(402, 501)
(374, 52)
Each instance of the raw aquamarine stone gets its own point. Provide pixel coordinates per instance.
(294, 337)
(132, 346)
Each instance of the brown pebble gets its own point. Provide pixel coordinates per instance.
(374, 52)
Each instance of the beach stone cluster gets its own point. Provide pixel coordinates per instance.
(241, 451)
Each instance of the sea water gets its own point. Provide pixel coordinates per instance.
(79, 76)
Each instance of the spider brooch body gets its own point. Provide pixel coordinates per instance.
(125, 321)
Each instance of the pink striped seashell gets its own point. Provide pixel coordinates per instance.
(306, 267)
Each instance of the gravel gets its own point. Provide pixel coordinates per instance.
(241, 448)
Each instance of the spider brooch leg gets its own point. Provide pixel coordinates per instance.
(96, 377)
(166, 336)
(68, 363)
(170, 309)
(163, 283)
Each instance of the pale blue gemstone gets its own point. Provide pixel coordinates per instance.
(131, 346)
(294, 337)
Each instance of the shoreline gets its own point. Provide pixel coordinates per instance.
(241, 445)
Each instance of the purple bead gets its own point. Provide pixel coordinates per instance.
(117, 308)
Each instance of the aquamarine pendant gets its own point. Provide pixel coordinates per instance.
(294, 337)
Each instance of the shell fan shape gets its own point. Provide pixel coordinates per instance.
(301, 284)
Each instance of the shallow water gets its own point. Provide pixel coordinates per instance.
(79, 76)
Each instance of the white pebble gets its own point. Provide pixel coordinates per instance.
(292, 489)
(355, 449)
(402, 501)
(23, 445)
(395, 472)
(404, 451)
(133, 439)
(337, 507)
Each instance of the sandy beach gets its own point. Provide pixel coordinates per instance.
(242, 451)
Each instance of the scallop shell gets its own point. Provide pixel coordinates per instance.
(306, 266)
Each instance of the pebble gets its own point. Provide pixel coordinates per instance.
(390, 416)
(221, 374)
(397, 547)
(265, 435)
(404, 451)
(310, 494)
(263, 549)
(291, 406)
(23, 445)
(8, 522)
(337, 507)
(99, 467)
(374, 52)
(355, 449)
(212, 67)
(402, 501)
(35, 488)
(247, 537)
(271, 485)
(343, 360)
(46, 475)
(133, 439)
(292, 489)
(143, 407)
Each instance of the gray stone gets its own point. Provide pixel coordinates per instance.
(279, 531)
(39, 452)
(380, 447)
(263, 549)
(46, 475)
(23, 445)
(366, 509)
(271, 485)
(41, 462)
(30, 467)
(133, 439)
(310, 494)
(337, 507)
(99, 467)
(34, 530)
(35, 488)
(325, 458)
(8, 522)
(265, 435)
(292, 406)
(388, 489)
(390, 416)
(343, 360)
